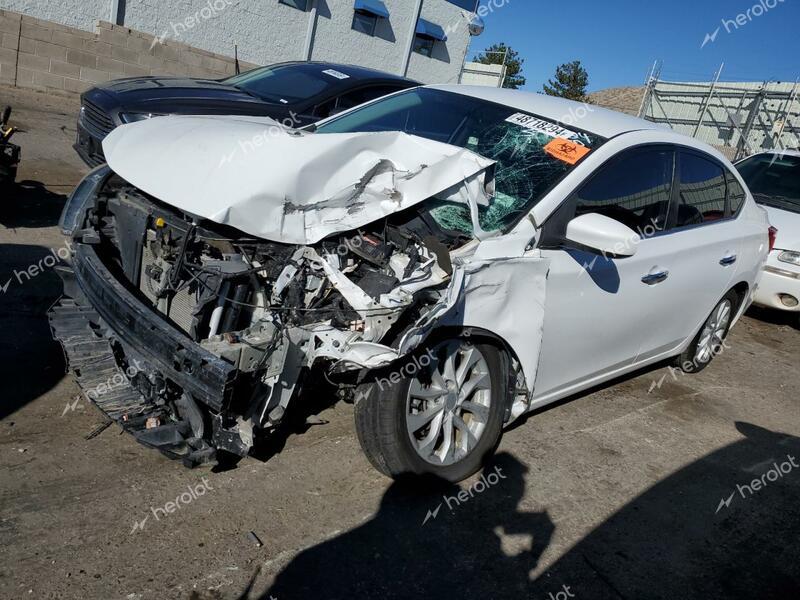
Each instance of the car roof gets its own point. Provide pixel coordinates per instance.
(591, 118)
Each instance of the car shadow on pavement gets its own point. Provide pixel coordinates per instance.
(31, 361)
(725, 526)
(30, 204)
(707, 531)
(775, 317)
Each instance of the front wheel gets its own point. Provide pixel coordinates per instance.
(439, 412)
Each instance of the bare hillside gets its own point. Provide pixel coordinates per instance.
(623, 99)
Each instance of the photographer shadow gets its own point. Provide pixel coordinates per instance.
(428, 544)
(724, 526)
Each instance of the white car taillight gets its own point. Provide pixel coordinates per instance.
(773, 235)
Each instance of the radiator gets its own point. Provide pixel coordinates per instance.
(180, 308)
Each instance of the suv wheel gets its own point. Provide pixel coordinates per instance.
(438, 413)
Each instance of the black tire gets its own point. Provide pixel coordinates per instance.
(382, 405)
(693, 362)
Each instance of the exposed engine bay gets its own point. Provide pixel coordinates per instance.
(269, 309)
(229, 289)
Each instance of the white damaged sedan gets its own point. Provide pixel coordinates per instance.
(449, 257)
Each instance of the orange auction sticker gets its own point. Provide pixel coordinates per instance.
(569, 152)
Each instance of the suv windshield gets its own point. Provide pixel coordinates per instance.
(774, 180)
(287, 84)
(532, 153)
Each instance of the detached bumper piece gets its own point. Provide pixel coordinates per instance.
(90, 356)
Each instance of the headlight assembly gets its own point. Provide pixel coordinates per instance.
(75, 209)
(789, 256)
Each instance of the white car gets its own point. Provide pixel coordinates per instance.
(449, 257)
(774, 180)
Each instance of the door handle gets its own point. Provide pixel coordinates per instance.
(728, 260)
(654, 278)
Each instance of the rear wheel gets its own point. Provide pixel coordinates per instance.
(438, 413)
(710, 340)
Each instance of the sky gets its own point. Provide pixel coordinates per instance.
(618, 40)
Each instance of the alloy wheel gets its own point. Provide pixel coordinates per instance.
(714, 330)
(448, 405)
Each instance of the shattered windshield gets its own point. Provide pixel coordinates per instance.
(532, 153)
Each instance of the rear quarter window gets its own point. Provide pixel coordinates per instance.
(736, 195)
(703, 191)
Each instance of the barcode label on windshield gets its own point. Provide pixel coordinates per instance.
(552, 130)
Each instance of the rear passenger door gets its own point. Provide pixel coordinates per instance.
(700, 249)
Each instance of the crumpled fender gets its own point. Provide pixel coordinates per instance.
(491, 295)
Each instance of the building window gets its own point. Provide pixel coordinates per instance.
(365, 23)
(298, 4)
(470, 5)
(424, 45)
(427, 35)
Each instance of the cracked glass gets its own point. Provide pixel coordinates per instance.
(519, 142)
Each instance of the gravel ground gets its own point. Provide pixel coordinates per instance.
(640, 489)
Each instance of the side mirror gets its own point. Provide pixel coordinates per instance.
(604, 235)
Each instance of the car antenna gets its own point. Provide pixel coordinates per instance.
(236, 58)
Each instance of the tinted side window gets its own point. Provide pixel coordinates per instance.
(736, 195)
(702, 191)
(634, 190)
(326, 109)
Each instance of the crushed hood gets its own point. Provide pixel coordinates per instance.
(289, 186)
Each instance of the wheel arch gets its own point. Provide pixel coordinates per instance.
(515, 376)
(742, 290)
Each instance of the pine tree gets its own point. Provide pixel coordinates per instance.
(496, 54)
(571, 81)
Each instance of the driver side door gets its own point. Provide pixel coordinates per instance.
(600, 308)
